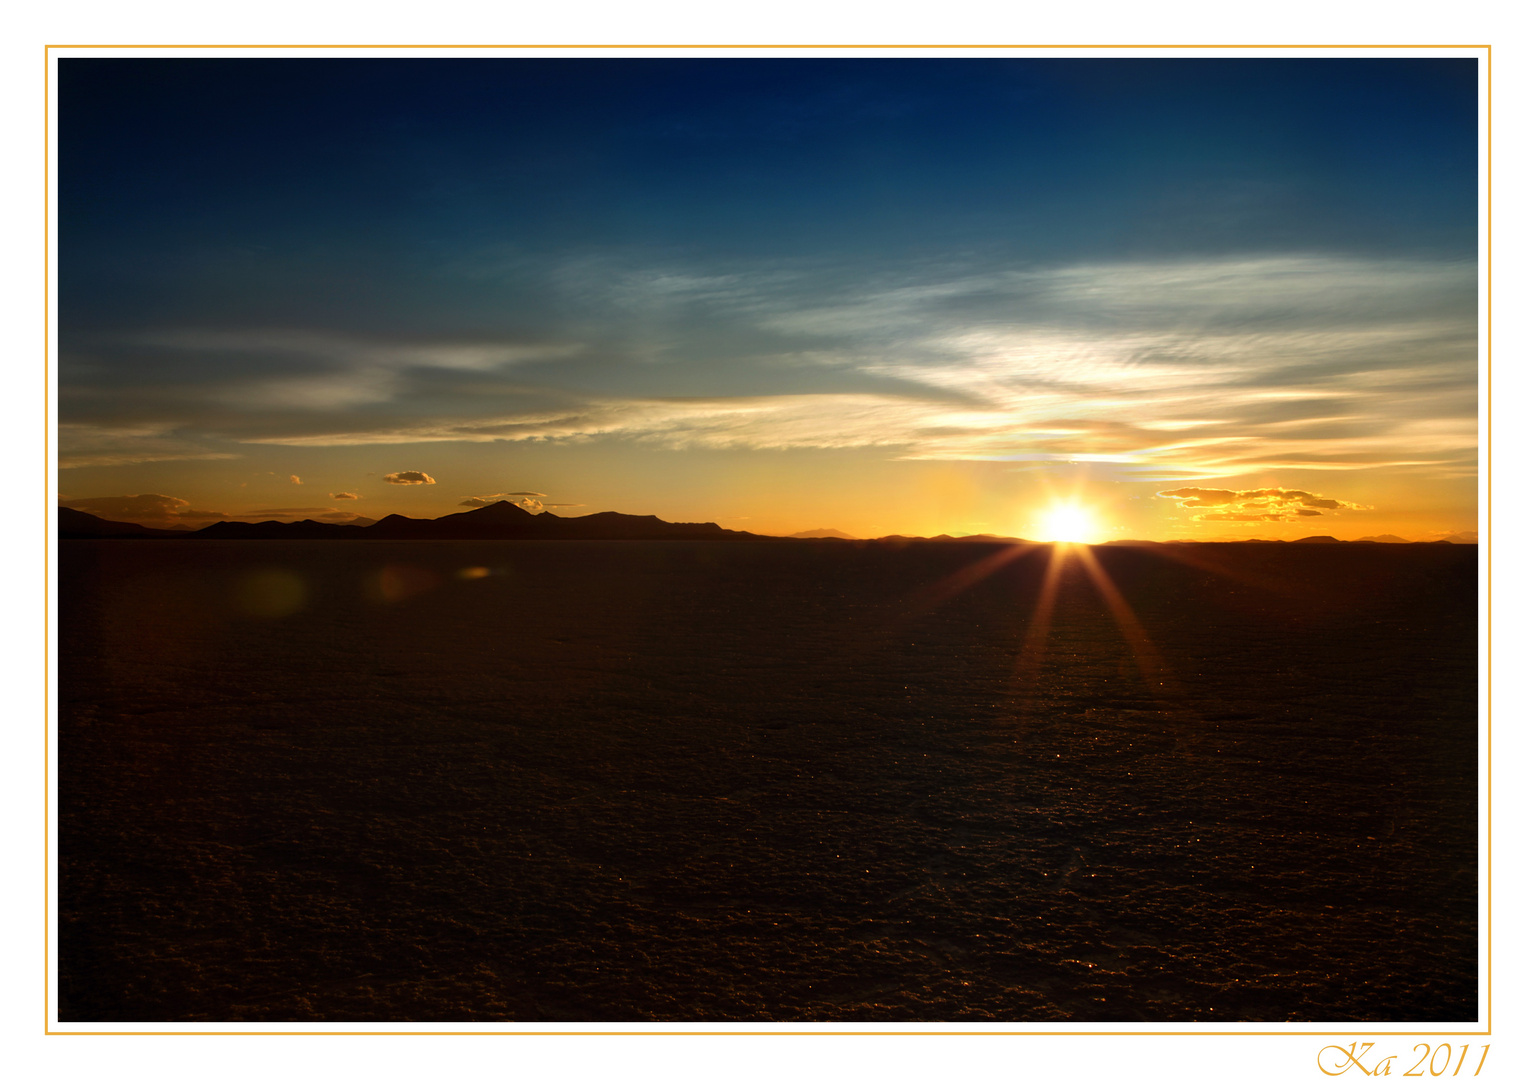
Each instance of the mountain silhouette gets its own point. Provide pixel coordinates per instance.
(78, 525)
(499, 521)
(275, 530)
(505, 521)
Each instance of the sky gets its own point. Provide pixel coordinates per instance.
(1218, 298)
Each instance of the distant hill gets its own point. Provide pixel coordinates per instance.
(821, 534)
(1318, 540)
(944, 538)
(276, 530)
(1384, 538)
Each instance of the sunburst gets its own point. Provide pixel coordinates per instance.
(1070, 523)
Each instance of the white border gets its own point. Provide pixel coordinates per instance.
(1110, 1055)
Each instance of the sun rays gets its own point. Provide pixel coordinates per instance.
(1062, 556)
(1154, 671)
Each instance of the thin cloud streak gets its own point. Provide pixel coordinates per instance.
(86, 445)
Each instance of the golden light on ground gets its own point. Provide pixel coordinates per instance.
(1069, 523)
(1155, 672)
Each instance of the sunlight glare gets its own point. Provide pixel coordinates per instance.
(1069, 524)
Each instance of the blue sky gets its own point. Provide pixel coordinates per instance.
(775, 290)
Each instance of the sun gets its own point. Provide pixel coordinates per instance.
(1069, 524)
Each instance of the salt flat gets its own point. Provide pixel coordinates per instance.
(814, 780)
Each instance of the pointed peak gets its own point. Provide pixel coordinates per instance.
(500, 508)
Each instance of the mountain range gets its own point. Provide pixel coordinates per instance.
(505, 521)
(499, 521)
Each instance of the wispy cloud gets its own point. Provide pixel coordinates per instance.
(84, 445)
(1212, 368)
(782, 422)
(306, 370)
(407, 477)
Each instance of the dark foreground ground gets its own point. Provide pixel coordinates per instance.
(778, 781)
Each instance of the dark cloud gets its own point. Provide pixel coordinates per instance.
(343, 495)
(408, 476)
(1282, 504)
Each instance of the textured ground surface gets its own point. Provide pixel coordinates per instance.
(691, 781)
